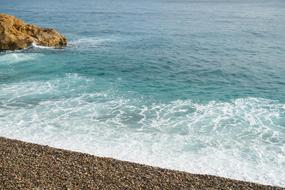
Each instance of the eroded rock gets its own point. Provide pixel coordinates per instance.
(15, 34)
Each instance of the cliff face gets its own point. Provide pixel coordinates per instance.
(16, 34)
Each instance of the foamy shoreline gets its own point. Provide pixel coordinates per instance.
(27, 165)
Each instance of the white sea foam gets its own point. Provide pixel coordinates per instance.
(10, 58)
(241, 139)
(91, 42)
(41, 47)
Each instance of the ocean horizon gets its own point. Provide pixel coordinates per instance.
(196, 86)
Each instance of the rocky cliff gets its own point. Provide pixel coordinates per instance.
(16, 34)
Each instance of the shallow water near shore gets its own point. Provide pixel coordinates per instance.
(197, 86)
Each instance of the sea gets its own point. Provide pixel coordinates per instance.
(190, 85)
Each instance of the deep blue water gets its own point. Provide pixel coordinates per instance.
(189, 85)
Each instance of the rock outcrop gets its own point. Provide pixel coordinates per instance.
(15, 34)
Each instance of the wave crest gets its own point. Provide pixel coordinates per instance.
(242, 139)
(91, 42)
(10, 58)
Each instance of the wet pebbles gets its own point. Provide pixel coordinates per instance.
(31, 166)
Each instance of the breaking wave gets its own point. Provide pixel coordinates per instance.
(41, 47)
(242, 138)
(16, 57)
(90, 42)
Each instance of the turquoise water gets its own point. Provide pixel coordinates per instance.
(197, 86)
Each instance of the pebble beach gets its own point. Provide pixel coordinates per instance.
(31, 166)
(196, 86)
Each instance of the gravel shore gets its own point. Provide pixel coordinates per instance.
(31, 166)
